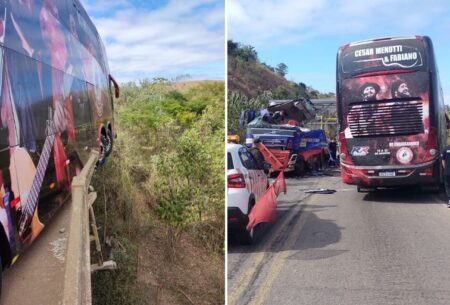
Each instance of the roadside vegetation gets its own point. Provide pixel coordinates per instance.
(161, 196)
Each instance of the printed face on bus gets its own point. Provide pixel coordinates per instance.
(402, 91)
(369, 93)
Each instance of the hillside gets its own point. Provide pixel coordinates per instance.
(252, 84)
(161, 206)
(252, 78)
(249, 76)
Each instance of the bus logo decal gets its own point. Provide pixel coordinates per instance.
(360, 151)
(404, 155)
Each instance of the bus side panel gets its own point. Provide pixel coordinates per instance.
(53, 96)
(8, 213)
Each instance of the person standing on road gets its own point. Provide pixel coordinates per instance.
(333, 149)
(446, 163)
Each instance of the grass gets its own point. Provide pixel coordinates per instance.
(160, 201)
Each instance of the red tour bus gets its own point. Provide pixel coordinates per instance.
(55, 105)
(391, 113)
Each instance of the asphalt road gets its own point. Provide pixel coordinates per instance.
(38, 275)
(389, 247)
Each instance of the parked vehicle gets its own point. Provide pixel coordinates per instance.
(247, 182)
(391, 113)
(55, 104)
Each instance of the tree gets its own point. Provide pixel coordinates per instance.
(281, 69)
(244, 52)
(232, 47)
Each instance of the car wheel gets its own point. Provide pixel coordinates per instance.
(246, 237)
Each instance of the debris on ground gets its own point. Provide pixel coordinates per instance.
(321, 191)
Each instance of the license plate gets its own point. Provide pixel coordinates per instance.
(386, 174)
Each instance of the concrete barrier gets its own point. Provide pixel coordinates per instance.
(77, 277)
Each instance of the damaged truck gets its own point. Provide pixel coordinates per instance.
(280, 134)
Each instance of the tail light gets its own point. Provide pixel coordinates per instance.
(431, 146)
(344, 155)
(427, 172)
(236, 181)
(233, 219)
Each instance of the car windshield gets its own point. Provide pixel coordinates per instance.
(230, 162)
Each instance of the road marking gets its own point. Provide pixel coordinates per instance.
(259, 259)
(278, 260)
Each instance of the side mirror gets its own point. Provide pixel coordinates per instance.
(116, 86)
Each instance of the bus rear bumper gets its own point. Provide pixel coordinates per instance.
(387, 176)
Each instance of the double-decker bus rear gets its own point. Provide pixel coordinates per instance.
(390, 110)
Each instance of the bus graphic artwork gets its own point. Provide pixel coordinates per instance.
(55, 105)
(391, 112)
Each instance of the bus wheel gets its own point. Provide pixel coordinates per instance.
(102, 156)
(109, 142)
(362, 189)
(434, 189)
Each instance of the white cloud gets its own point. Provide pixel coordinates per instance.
(176, 38)
(265, 22)
(104, 5)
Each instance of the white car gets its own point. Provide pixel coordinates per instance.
(247, 182)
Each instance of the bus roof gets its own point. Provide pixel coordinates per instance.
(367, 41)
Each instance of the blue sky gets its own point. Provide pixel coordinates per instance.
(306, 34)
(156, 38)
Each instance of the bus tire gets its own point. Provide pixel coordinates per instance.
(433, 189)
(299, 167)
(109, 142)
(102, 155)
(362, 189)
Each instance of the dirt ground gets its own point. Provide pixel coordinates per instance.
(192, 277)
